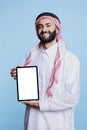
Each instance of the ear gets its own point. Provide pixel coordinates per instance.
(57, 30)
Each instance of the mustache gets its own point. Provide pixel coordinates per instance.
(44, 32)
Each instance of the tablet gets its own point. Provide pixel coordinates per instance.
(27, 83)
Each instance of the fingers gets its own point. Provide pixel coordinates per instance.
(31, 103)
(13, 73)
(25, 102)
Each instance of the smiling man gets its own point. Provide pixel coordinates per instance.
(59, 72)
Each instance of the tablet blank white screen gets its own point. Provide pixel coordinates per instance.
(27, 83)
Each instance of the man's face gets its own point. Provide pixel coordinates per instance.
(46, 30)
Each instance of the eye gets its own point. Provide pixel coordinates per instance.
(39, 26)
(48, 25)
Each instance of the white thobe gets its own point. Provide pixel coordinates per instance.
(57, 112)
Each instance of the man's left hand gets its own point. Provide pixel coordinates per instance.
(31, 103)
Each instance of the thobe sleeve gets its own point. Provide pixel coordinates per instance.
(70, 97)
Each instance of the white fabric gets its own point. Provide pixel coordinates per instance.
(57, 112)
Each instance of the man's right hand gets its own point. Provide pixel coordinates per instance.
(13, 73)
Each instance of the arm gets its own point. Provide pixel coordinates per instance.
(70, 94)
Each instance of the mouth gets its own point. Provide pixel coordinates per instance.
(45, 35)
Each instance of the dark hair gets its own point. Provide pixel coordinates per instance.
(47, 14)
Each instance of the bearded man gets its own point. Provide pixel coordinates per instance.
(59, 78)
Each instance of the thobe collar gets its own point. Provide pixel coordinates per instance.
(51, 51)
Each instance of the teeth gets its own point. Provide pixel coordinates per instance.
(45, 33)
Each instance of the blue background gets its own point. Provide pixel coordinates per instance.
(18, 36)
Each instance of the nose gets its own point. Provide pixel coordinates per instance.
(44, 29)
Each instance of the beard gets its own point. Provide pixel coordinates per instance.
(51, 37)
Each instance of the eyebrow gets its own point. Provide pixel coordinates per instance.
(45, 24)
(48, 23)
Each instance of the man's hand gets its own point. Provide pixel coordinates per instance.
(13, 73)
(31, 103)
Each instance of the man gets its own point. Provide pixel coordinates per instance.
(58, 71)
